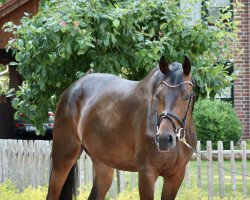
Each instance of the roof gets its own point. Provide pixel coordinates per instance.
(11, 5)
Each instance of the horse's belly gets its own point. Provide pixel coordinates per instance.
(116, 152)
(115, 160)
(125, 165)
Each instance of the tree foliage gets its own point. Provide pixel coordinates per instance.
(2, 1)
(67, 38)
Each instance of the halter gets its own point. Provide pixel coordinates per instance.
(180, 132)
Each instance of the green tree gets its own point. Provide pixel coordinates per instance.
(67, 38)
(2, 1)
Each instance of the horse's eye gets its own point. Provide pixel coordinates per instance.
(157, 95)
(187, 97)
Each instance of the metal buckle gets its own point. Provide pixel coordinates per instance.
(181, 134)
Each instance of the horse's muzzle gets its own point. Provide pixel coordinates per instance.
(165, 141)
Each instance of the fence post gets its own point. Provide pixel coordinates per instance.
(86, 181)
(187, 175)
(198, 158)
(232, 166)
(121, 181)
(15, 169)
(113, 189)
(48, 161)
(30, 161)
(210, 170)
(133, 180)
(44, 163)
(5, 164)
(36, 160)
(10, 159)
(1, 163)
(24, 161)
(90, 170)
(20, 166)
(244, 168)
(81, 169)
(221, 170)
(118, 180)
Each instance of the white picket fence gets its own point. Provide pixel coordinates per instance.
(28, 163)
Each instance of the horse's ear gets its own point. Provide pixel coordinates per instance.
(164, 66)
(186, 65)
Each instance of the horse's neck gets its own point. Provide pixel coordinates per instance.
(147, 88)
(150, 83)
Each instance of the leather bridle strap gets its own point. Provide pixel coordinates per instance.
(189, 105)
(171, 116)
(174, 86)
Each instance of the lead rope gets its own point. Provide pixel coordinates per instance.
(183, 140)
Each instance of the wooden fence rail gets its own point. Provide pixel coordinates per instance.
(28, 163)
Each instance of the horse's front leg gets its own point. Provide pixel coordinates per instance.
(147, 178)
(171, 185)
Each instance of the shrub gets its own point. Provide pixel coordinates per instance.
(4, 81)
(216, 121)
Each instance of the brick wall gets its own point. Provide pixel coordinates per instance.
(241, 92)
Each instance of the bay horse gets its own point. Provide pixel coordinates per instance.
(127, 125)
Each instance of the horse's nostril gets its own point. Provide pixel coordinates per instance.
(157, 138)
(170, 139)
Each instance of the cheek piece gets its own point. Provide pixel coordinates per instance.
(171, 116)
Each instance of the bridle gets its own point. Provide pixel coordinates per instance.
(171, 116)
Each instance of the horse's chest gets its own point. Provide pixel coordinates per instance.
(168, 163)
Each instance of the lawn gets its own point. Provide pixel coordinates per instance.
(227, 176)
(193, 178)
(8, 190)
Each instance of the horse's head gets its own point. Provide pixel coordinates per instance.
(174, 103)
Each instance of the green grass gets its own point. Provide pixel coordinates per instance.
(193, 178)
(227, 176)
(8, 191)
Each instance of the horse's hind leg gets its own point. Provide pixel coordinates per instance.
(66, 150)
(102, 182)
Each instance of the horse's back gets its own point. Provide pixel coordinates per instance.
(94, 84)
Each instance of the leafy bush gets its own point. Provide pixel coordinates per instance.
(4, 81)
(2, 1)
(66, 39)
(216, 120)
(4, 85)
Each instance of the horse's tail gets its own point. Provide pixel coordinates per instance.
(70, 185)
(69, 189)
